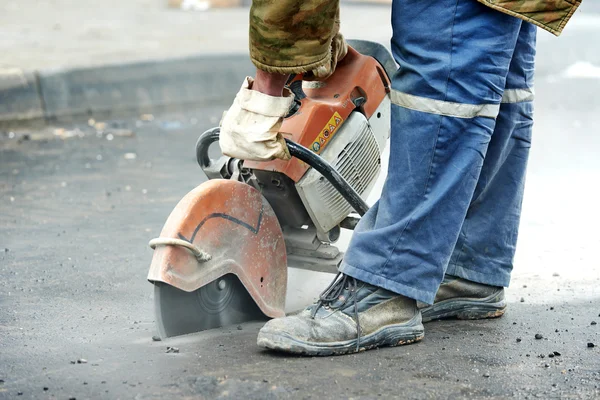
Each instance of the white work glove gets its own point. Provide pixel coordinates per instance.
(250, 128)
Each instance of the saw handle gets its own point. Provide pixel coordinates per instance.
(203, 144)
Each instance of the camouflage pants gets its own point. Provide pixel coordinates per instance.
(291, 36)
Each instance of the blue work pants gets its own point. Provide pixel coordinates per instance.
(461, 132)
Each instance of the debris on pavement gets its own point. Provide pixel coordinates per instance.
(67, 134)
(590, 345)
(172, 349)
(539, 336)
(130, 156)
(120, 133)
(82, 361)
(156, 338)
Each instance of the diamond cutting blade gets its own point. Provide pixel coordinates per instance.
(222, 302)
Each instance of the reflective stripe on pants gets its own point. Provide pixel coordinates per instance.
(459, 110)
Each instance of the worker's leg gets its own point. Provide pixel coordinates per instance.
(482, 260)
(454, 57)
(486, 245)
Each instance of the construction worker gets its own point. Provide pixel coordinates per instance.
(445, 228)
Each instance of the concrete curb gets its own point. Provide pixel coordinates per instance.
(59, 94)
(20, 98)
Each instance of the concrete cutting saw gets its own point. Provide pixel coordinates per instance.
(223, 254)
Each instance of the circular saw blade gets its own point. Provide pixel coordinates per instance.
(222, 302)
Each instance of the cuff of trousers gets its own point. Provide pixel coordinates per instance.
(385, 283)
(498, 278)
(289, 67)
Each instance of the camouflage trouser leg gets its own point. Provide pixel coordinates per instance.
(292, 36)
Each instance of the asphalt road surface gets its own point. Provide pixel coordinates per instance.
(77, 209)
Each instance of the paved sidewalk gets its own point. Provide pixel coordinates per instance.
(70, 33)
(47, 34)
(60, 59)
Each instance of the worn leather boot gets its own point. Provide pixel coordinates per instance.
(350, 316)
(463, 299)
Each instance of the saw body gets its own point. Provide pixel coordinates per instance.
(223, 254)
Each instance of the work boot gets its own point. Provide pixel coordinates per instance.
(350, 316)
(463, 299)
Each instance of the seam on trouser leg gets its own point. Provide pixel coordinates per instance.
(445, 93)
(463, 232)
(395, 93)
(410, 218)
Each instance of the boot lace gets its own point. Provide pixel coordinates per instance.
(333, 293)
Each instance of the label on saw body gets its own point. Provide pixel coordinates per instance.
(327, 132)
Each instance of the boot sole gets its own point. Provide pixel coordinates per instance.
(465, 309)
(388, 336)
